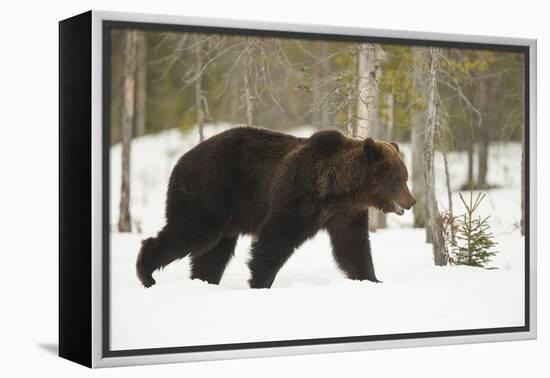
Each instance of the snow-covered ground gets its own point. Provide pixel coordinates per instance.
(310, 297)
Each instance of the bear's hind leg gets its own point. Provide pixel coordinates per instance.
(210, 265)
(168, 246)
(157, 252)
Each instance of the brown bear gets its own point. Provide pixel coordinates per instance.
(282, 190)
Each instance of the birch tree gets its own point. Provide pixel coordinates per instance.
(367, 91)
(420, 82)
(128, 107)
(438, 241)
(250, 89)
(368, 98)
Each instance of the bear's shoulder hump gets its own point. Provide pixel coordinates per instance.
(326, 140)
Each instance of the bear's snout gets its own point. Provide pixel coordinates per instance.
(405, 199)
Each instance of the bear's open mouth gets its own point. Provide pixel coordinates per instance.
(397, 209)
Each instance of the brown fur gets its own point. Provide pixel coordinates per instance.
(282, 190)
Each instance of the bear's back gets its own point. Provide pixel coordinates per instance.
(235, 158)
(234, 171)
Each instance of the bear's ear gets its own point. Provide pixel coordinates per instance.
(395, 145)
(372, 150)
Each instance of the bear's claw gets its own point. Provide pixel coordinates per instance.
(148, 282)
(146, 278)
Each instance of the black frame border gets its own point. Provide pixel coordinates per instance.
(75, 189)
(108, 25)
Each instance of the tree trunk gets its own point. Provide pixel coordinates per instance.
(368, 122)
(325, 71)
(198, 88)
(388, 127)
(483, 139)
(438, 241)
(420, 80)
(443, 149)
(470, 182)
(234, 94)
(141, 84)
(383, 131)
(352, 126)
(249, 84)
(449, 193)
(316, 114)
(470, 151)
(125, 220)
(367, 91)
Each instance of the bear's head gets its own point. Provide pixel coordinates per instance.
(386, 177)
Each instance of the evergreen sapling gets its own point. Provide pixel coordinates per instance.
(474, 242)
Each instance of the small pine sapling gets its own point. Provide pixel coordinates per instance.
(474, 242)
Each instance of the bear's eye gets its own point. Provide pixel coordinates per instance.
(396, 183)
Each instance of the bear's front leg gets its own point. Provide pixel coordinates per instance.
(349, 236)
(274, 244)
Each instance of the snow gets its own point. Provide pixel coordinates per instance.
(311, 298)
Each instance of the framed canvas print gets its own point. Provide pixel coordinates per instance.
(233, 189)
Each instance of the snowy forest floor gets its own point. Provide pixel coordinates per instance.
(311, 298)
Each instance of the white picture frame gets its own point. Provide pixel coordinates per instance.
(94, 352)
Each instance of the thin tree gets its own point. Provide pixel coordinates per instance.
(483, 139)
(487, 79)
(354, 128)
(388, 123)
(382, 129)
(420, 82)
(438, 240)
(471, 137)
(444, 138)
(368, 98)
(450, 215)
(250, 89)
(125, 220)
(199, 96)
(367, 91)
(141, 84)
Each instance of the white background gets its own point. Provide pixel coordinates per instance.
(29, 190)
